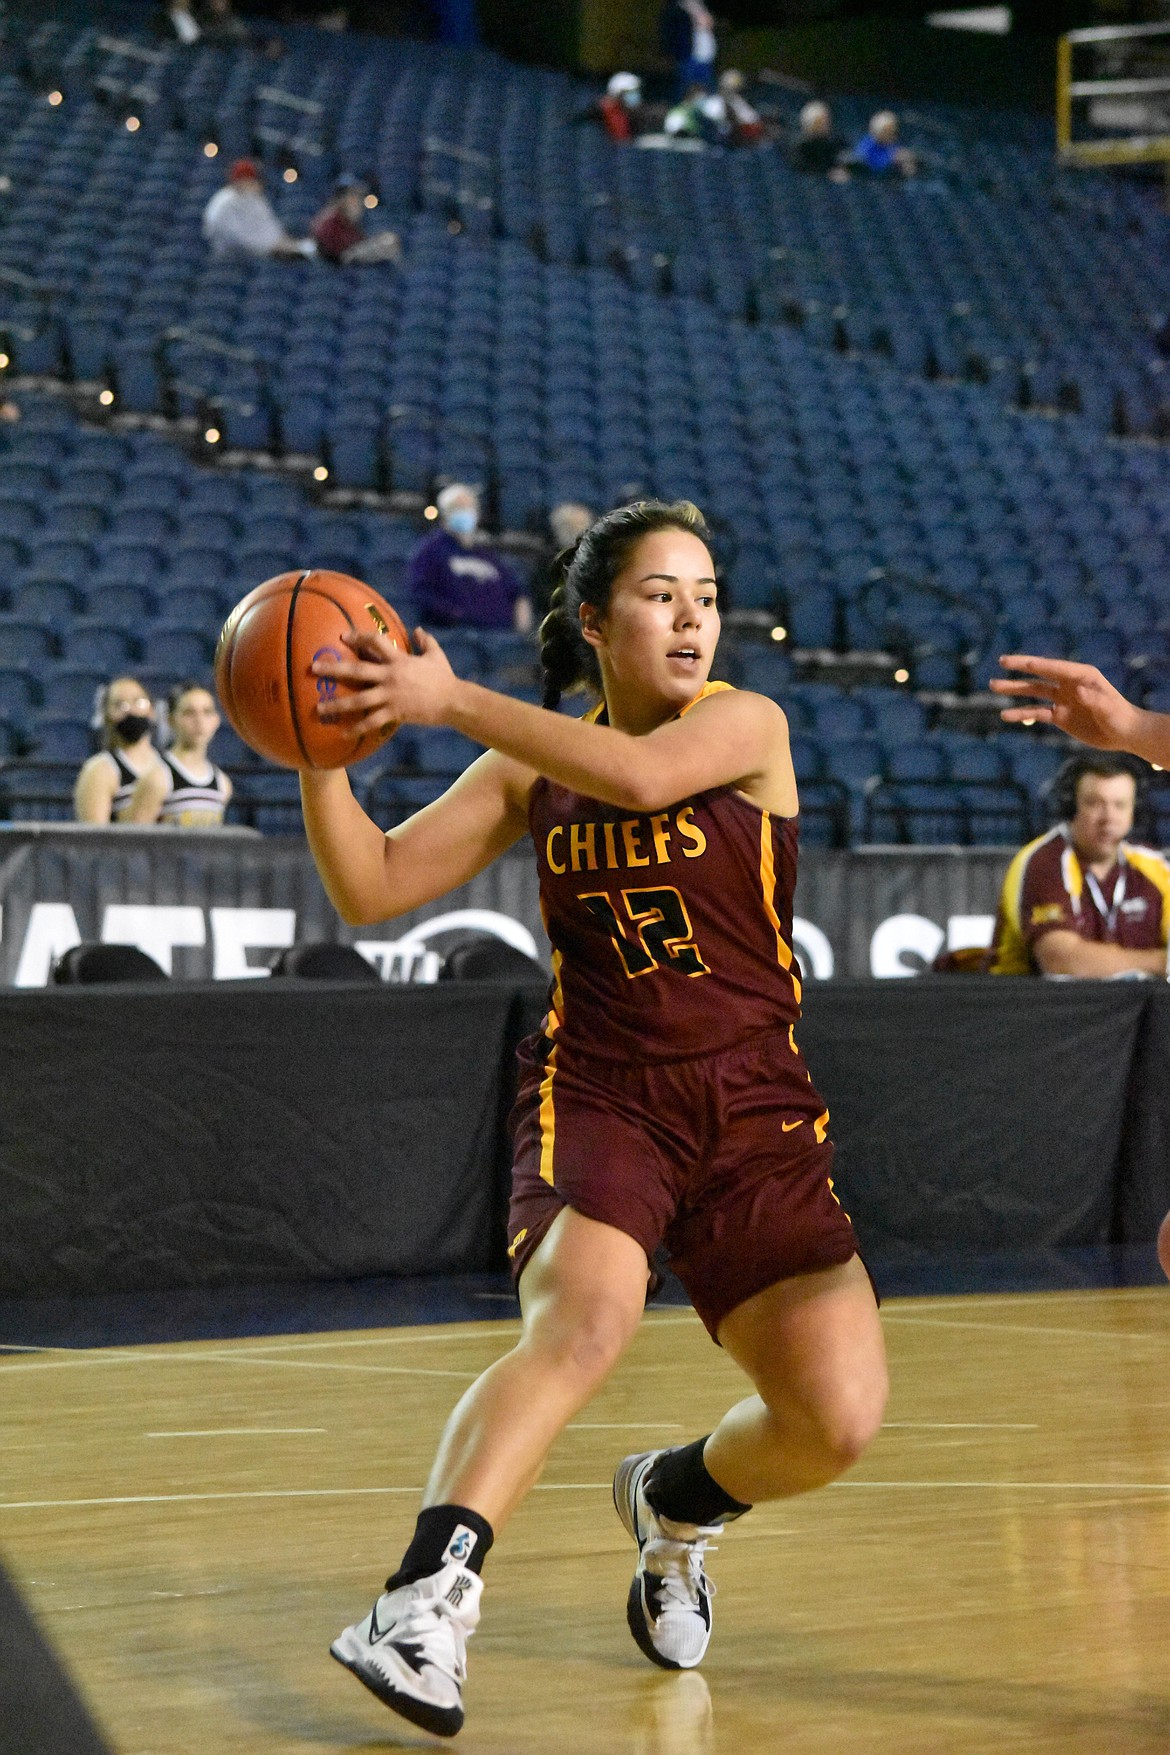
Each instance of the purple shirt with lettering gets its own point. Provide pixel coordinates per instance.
(459, 586)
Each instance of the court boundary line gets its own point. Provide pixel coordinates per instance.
(566, 1487)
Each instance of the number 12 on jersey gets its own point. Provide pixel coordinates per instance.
(662, 931)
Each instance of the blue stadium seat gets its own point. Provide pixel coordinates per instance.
(181, 651)
(100, 645)
(71, 690)
(20, 696)
(24, 642)
(911, 762)
(441, 751)
(50, 602)
(55, 738)
(807, 759)
(126, 606)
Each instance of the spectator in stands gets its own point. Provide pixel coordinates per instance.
(1082, 900)
(695, 118)
(687, 33)
(818, 148)
(617, 109)
(339, 232)
(457, 581)
(106, 781)
(739, 123)
(239, 222)
(184, 788)
(566, 522)
(878, 153)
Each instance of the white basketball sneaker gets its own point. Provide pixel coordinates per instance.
(411, 1649)
(669, 1605)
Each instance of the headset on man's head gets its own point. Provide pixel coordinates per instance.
(1062, 790)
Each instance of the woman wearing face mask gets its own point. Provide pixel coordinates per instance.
(457, 580)
(106, 781)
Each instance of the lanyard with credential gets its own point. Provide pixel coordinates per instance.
(1109, 915)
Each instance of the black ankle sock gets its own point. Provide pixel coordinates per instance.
(444, 1533)
(681, 1489)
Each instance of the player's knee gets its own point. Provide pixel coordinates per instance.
(845, 1437)
(587, 1344)
(848, 1423)
(829, 1433)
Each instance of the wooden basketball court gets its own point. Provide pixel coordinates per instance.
(193, 1523)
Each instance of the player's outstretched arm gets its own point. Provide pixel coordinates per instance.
(1076, 698)
(736, 738)
(371, 876)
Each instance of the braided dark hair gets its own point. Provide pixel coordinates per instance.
(584, 573)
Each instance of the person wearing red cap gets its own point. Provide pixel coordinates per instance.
(239, 221)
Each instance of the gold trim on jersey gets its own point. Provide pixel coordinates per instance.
(1154, 867)
(768, 886)
(552, 1023)
(548, 1119)
(1013, 956)
(708, 688)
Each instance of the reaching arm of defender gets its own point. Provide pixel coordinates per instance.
(370, 876)
(1076, 698)
(736, 738)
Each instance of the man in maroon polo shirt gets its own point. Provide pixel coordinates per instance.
(1082, 900)
(339, 229)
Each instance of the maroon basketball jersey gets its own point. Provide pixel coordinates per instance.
(672, 931)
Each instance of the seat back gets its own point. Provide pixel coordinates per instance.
(325, 962)
(86, 963)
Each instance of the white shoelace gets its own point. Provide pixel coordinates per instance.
(680, 1567)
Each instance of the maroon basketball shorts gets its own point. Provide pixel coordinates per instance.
(723, 1158)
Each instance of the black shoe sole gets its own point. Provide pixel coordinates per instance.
(440, 1721)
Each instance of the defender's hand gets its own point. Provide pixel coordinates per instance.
(1076, 698)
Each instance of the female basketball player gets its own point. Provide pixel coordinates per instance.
(106, 781)
(185, 788)
(664, 1100)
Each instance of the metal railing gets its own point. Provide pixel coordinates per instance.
(962, 804)
(36, 791)
(888, 594)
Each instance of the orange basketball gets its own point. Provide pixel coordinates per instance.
(263, 665)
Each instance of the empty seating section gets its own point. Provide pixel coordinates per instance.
(846, 378)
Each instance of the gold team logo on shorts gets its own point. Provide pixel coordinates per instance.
(517, 1241)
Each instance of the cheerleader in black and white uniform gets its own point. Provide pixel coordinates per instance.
(106, 782)
(186, 789)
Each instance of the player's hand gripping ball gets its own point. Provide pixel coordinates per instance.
(264, 659)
